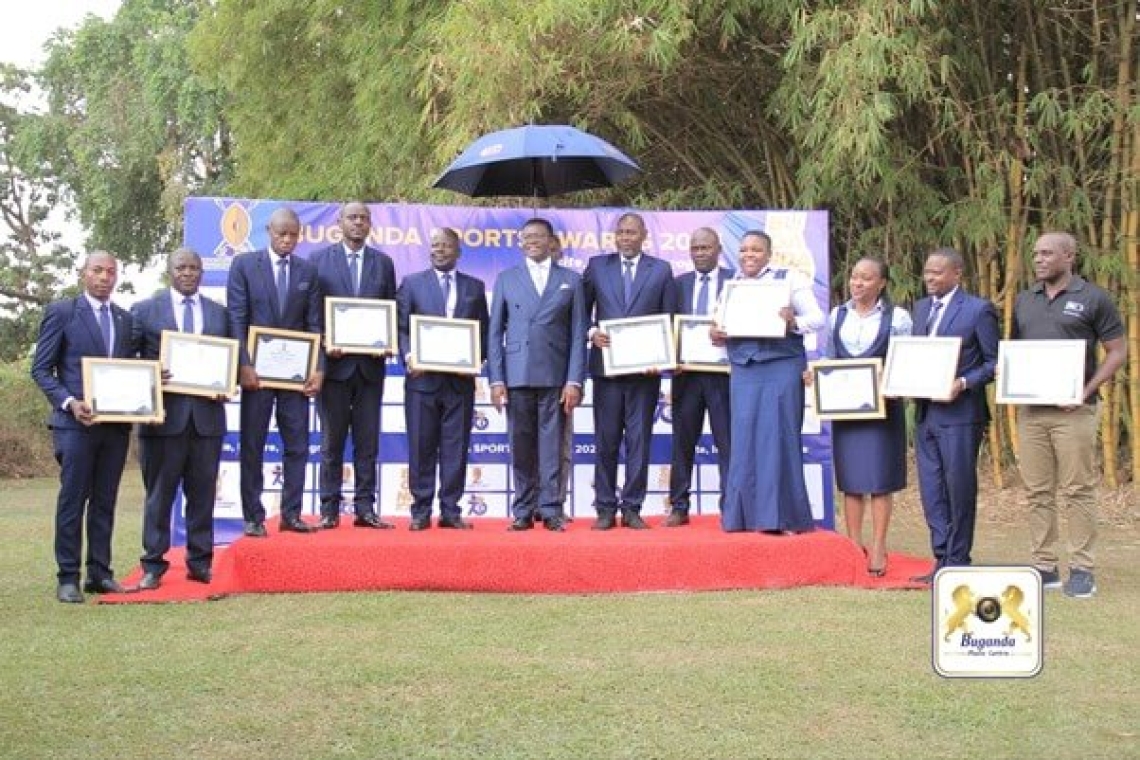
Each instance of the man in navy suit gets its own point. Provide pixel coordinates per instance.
(949, 433)
(695, 393)
(354, 383)
(91, 456)
(439, 406)
(273, 288)
(628, 283)
(186, 447)
(536, 362)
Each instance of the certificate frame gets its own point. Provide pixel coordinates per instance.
(654, 331)
(304, 344)
(223, 380)
(750, 308)
(866, 374)
(936, 356)
(101, 375)
(425, 348)
(1062, 362)
(683, 324)
(385, 314)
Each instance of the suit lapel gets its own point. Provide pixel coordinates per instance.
(87, 317)
(951, 314)
(168, 320)
(265, 266)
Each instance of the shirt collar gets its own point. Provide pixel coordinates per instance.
(349, 252)
(95, 303)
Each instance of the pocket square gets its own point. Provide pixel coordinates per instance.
(563, 286)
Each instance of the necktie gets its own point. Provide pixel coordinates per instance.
(354, 269)
(932, 320)
(703, 296)
(282, 282)
(187, 315)
(105, 328)
(446, 292)
(627, 279)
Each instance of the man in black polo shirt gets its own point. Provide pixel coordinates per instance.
(1058, 444)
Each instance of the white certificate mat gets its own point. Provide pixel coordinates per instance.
(921, 367)
(441, 344)
(199, 365)
(283, 359)
(751, 308)
(638, 344)
(360, 325)
(1043, 372)
(695, 349)
(847, 389)
(123, 390)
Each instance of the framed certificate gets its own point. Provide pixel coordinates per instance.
(1044, 372)
(693, 348)
(445, 344)
(123, 390)
(751, 308)
(847, 389)
(199, 365)
(360, 325)
(921, 367)
(638, 344)
(283, 359)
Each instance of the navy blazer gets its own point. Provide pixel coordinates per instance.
(537, 341)
(377, 280)
(975, 321)
(251, 297)
(150, 318)
(653, 293)
(69, 332)
(683, 290)
(420, 293)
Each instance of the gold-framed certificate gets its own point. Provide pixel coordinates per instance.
(921, 367)
(847, 389)
(360, 325)
(283, 359)
(199, 365)
(638, 344)
(445, 344)
(751, 308)
(1041, 372)
(694, 349)
(123, 390)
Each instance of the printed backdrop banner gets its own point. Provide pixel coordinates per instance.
(221, 228)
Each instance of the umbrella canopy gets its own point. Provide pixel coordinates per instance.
(536, 160)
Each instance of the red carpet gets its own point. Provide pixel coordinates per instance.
(699, 557)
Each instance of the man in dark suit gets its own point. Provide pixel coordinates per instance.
(949, 433)
(273, 288)
(439, 406)
(91, 456)
(695, 393)
(186, 447)
(536, 363)
(628, 283)
(353, 387)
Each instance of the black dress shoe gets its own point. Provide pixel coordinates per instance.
(521, 523)
(254, 529)
(149, 582)
(203, 575)
(677, 518)
(455, 523)
(103, 586)
(418, 524)
(372, 520)
(330, 522)
(295, 525)
(605, 521)
(69, 593)
(634, 521)
(554, 524)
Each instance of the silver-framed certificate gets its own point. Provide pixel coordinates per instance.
(921, 367)
(199, 365)
(445, 344)
(638, 344)
(1041, 372)
(694, 349)
(283, 359)
(751, 308)
(123, 390)
(360, 325)
(847, 389)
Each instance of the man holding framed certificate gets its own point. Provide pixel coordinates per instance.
(1058, 444)
(353, 386)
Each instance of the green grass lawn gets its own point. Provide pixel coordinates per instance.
(809, 673)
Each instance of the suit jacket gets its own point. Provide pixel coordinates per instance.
(377, 280)
(653, 293)
(69, 332)
(251, 297)
(537, 341)
(975, 321)
(150, 318)
(683, 290)
(420, 293)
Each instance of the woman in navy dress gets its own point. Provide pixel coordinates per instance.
(869, 455)
(765, 489)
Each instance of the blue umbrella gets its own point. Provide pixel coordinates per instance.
(536, 160)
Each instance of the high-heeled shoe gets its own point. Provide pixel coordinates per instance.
(878, 572)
